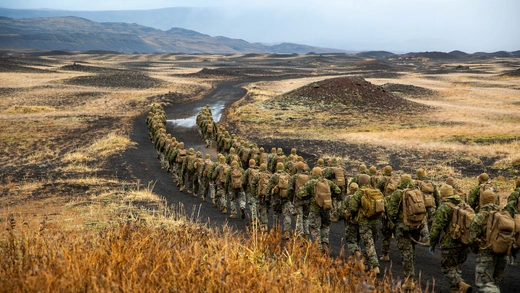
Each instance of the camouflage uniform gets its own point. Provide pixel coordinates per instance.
(387, 227)
(279, 158)
(218, 176)
(178, 159)
(421, 178)
(513, 207)
(456, 190)
(187, 172)
(453, 252)
(402, 232)
(262, 200)
(367, 227)
(474, 193)
(232, 156)
(196, 167)
(235, 193)
(352, 236)
(319, 219)
(330, 173)
(490, 267)
(248, 178)
(282, 206)
(301, 204)
(204, 177)
(362, 170)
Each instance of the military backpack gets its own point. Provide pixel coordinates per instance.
(245, 154)
(500, 233)
(391, 184)
(427, 188)
(222, 171)
(262, 159)
(461, 219)
(191, 158)
(339, 176)
(301, 179)
(322, 194)
(181, 154)
(414, 208)
(236, 178)
(283, 184)
(263, 181)
(372, 203)
(198, 164)
(207, 166)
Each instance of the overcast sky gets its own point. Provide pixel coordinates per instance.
(393, 25)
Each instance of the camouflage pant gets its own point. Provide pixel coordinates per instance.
(176, 173)
(352, 237)
(282, 207)
(188, 180)
(204, 186)
(302, 216)
(387, 231)
(425, 232)
(451, 262)
(263, 211)
(407, 248)
(164, 162)
(368, 234)
(490, 271)
(336, 203)
(220, 197)
(253, 204)
(319, 223)
(233, 197)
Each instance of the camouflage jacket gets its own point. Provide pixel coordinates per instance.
(442, 222)
(227, 184)
(512, 202)
(478, 230)
(474, 197)
(329, 173)
(247, 181)
(291, 190)
(256, 180)
(394, 208)
(355, 207)
(350, 218)
(307, 192)
(273, 182)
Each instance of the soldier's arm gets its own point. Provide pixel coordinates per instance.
(472, 197)
(290, 184)
(440, 221)
(355, 201)
(245, 175)
(475, 229)
(305, 190)
(254, 184)
(228, 179)
(334, 188)
(393, 204)
(512, 203)
(381, 184)
(272, 182)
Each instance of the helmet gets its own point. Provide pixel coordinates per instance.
(279, 167)
(293, 151)
(446, 190)
(191, 151)
(232, 150)
(208, 156)
(372, 170)
(263, 167)
(222, 159)
(300, 166)
(316, 171)
(488, 197)
(387, 170)
(320, 162)
(406, 178)
(362, 168)
(483, 178)
(353, 187)
(234, 164)
(364, 179)
(252, 162)
(421, 173)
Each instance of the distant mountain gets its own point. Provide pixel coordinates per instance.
(79, 34)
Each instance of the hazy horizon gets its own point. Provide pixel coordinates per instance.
(397, 26)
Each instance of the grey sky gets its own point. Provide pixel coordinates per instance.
(393, 25)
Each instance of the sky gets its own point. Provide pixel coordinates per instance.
(361, 25)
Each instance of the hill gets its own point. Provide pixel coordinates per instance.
(79, 34)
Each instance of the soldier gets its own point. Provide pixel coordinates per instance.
(187, 172)
(292, 156)
(219, 177)
(204, 176)
(234, 185)
(320, 163)
(249, 174)
(387, 184)
(262, 157)
(352, 236)
(490, 267)
(196, 167)
(513, 207)
(337, 175)
(456, 189)
(368, 224)
(453, 252)
(319, 192)
(270, 158)
(278, 189)
(362, 170)
(296, 183)
(260, 194)
(431, 195)
(372, 172)
(279, 158)
(232, 156)
(404, 233)
(178, 157)
(474, 194)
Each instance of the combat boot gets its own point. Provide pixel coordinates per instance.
(182, 188)
(385, 257)
(233, 216)
(334, 218)
(408, 285)
(286, 235)
(223, 210)
(376, 270)
(465, 287)
(325, 247)
(242, 213)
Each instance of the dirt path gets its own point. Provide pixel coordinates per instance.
(143, 164)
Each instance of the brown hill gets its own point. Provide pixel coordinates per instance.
(351, 92)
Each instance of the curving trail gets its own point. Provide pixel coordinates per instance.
(143, 164)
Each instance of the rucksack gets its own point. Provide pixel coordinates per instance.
(517, 229)
(339, 177)
(500, 232)
(427, 188)
(223, 168)
(414, 209)
(483, 187)
(189, 162)
(245, 154)
(252, 173)
(372, 203)
(209, 128)
(262, 184)
(262, 159)
(301, 179)
(373, 180)
(283, 183)
(322, 194)
(391, 184)
(181, 154)
(207, 167)
(198, 164)
(280, 159)
(236, 178)
(461, 219)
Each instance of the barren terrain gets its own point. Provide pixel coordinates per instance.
(75, 152)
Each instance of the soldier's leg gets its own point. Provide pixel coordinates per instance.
(501, 262)
(315, 226)
(325, 227)
(212, 193)
(232, 203)
(299, 218)
(277, 212)
(368, 232)
(352, 238)
(407, 249)
(253, 208)
(287, 214)
(221, 198)
(425, 232)
(450, 267)
(386, 231)
(484, 271)
(196, 185)
(242, 203)
(203, 185)
(262, 215)
(306, 210)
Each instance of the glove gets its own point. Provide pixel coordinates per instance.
(431, 249)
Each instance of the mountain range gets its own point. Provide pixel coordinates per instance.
(80, 34)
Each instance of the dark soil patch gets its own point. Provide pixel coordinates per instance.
(90, 69)
(10, 65)
(136, 80)
(408, 90)
(512, 73)
(350, 92)
(374, 65)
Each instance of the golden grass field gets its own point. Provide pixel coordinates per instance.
(68, 227)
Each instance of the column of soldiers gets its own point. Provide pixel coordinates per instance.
(413, 211)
